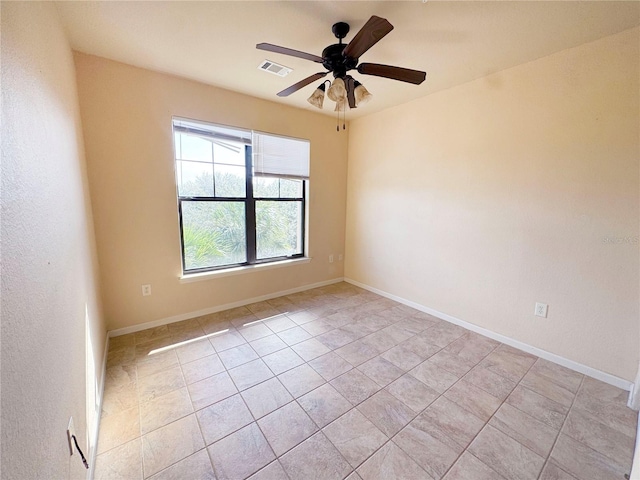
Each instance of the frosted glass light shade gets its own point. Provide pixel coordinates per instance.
(341, 105)
(337, 90)
(317, 97)
(361, 94)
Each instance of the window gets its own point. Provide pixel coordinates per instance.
(241, 196)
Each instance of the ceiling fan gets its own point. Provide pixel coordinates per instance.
(340, 58)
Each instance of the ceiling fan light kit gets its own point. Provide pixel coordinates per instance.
(340, 58)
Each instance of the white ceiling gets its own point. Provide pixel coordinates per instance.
(454, 42)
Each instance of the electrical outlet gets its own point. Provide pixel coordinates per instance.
(340, 257)
(331, 258)
(71, 431)
(541, 310)
(146, 290)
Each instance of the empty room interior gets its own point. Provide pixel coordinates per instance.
(320, 240)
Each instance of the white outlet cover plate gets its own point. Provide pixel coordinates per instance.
(146, 290)
(541, 310)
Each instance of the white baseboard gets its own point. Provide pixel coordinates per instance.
(635, 468)
(96, 430)
(634, 395)
(552, 357)
(218, 308)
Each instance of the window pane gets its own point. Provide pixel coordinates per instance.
(290, 188)
(213, 234)
(278, 228)
(230, 181)
(194, 179)
(265, 187)
(190, 147)
(231, 153)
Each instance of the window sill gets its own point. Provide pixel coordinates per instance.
(197, 277)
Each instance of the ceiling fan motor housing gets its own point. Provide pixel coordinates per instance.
(337, 63)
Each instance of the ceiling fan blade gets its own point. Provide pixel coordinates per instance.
(367, 37)
(350, 84)
(302, 83)
(395, 73)
(289, 51)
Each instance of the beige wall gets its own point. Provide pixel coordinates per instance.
(50, 300)
(483, 199)
(126, 113)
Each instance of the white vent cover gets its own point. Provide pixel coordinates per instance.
(275, 68)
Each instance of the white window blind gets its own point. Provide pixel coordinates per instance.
(276, 156)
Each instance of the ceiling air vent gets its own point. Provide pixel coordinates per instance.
(276, 69)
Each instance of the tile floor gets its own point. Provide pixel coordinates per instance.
(337, 383)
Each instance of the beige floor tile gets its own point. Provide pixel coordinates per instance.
(279, 323)
(121, 356)
(211, 390)
(379, 341)
(120, 463)
(431, 454)
(300, 318)
(355, 386)
(614, 413)
(170, 444)
(316, 327)
(194, 350)
(538, 406)
(443, 333)
(452, 363)
(147, 350)
(160, 383)
(531, 433)
(197, 466)
(310, 349)
(241, 454)
(472, 347)
(287, 427)
(355, 437)
(250, 374)
(282, 360)
(559, 375)
(191, 325)
(386, 412)
(226, 340)
(549, 389)
(324, 404)
(553, 472)
(469, 467)
(381, 371)
(587, 428)
(391, 462)
(334, 339)
(509, 362)
(301, 380)
(603, 391)
(152, 334)
(492, 383)
(330, 366)
(236, 356)
(433, 376)
(267, 345)
(473, 399)
(202, 368)
(165, 409)
(273, 471)
(357, 353)
(354, 476)
(119, 397)
(449, 423)
(266, 397)
(505, 455)
(315, 459)
(412, 392)
(255, 331)
(421, 347)
(212, 325)
(222, 418)
(294, 335)
(584, 462)
(402, 357)
(119, 428)
(122, 341)
(155, 363)
(120, 375)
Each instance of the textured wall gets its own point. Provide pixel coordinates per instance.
(126, 113)
(516, 188)
(49, 267)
